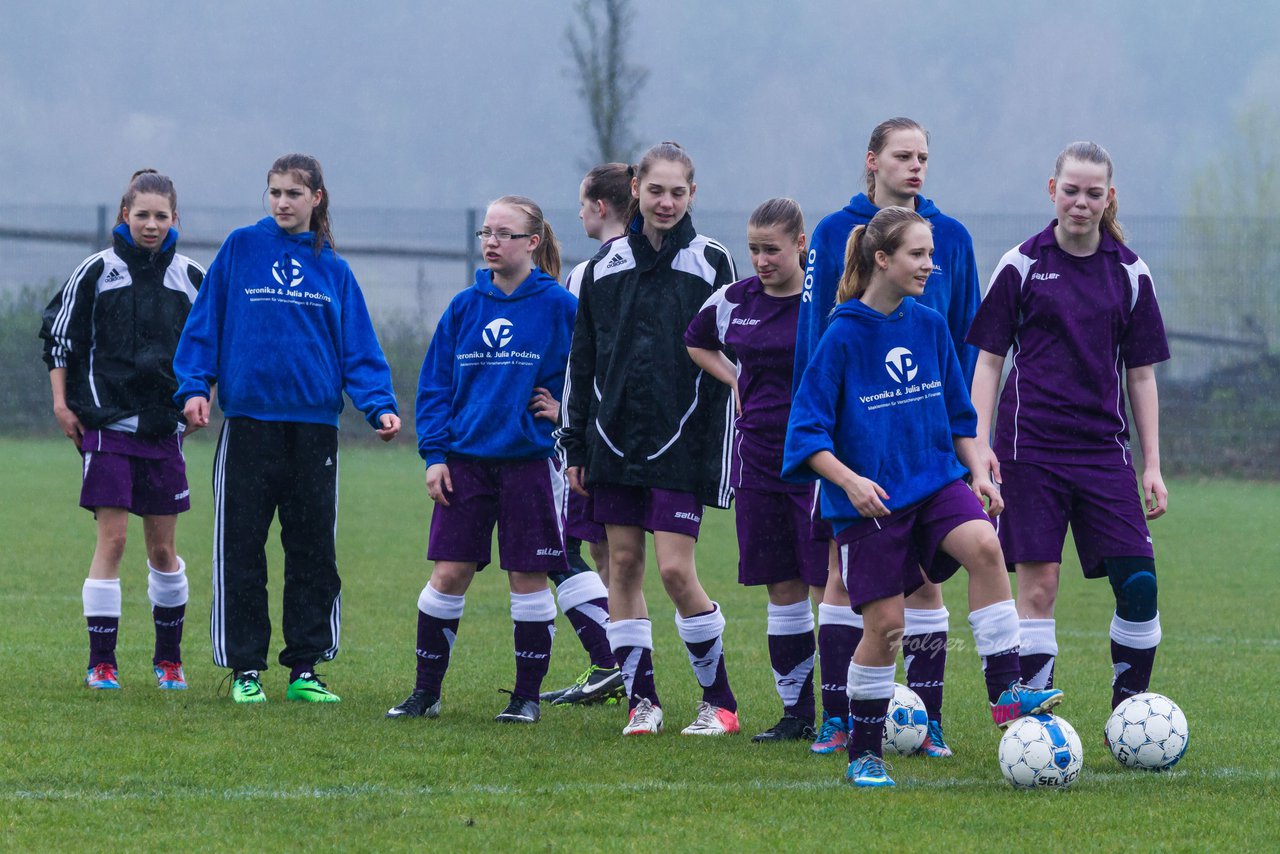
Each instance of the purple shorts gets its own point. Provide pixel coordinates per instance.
(649, 508)
(883, 557)
(819, 529)
(578, 523)
(522, 498)
(147, 477)
(1102, 504)
(773, 539)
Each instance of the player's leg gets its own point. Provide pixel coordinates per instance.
(924, 656)
(167, 588)
(792, 653)
(533, 615)
(101, 597)
(870, 683)
(839, 631)
(440, 607)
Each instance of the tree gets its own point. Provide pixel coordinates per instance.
(607, 83)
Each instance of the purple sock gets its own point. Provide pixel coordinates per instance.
(1037, 669)
(1000, 671)
(637, 674)
(925, 657)
(589, 621)
(435, 642)
(866, 726)
(836, 643)
(533, 655)
(168, 633)
(707, 658)
(1132, 668)
(297, 671)
(791, 657)
(102, 639)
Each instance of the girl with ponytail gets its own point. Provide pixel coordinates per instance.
(490, 459)
(1078, 305)
(883, 418)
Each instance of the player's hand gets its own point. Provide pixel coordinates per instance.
(439, 483)
(69, 423)
(1154, 494)
(389, 426)
(987, 463)
(737, 400)
(578, 480)
(984, 488)
(867, 496)
(543, 405)
(196, 413)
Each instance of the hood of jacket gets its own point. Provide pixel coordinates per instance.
(864, 209)
(535, 283)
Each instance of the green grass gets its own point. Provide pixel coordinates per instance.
(142, 769)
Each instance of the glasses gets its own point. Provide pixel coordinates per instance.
(501, 236)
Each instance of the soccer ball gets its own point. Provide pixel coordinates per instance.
(1041, 751)
(906, 724)
(1147, 731)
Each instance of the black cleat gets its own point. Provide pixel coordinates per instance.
(419, 704)
(789, 728)
(595, 685)
(520, 711)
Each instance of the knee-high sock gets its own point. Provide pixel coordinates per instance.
(1133, 654)
(995, 634)
(870, 689)
(632, 644)
(839, 631)
(924, 654)
(585, 601)
(791, 654)
(703, 636)
(438, 617)
(534, 616)
(168, 593)
(1038, 652)
(101, 598)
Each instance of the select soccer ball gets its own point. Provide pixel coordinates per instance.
(1041, 751)
(1147, 731)
(907, 723)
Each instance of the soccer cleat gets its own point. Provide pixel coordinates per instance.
(169, 676)
(788, 728)
(1019, 700)
(520, 710)
(419, 704)
(309, 688)
(646, 719)
(934, 747)
(595, 685)
(712, 720)
(246, 688)
(102, 676)
(833, 737)
(869, 771)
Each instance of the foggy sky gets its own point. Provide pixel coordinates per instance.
(450, 104)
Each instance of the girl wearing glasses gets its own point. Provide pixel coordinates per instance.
(490, 460)
(109, 335)
(281, 328)
(647, 434)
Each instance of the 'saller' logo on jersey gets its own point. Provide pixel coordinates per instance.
(498, 332)
(901, 365)
(287, 272)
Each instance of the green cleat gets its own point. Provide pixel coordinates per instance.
(309, 688)
(245, 687)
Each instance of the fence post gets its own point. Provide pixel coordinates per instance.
(102, 229)
(473, 257)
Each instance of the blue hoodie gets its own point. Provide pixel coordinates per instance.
(952, 290)
(489, 352)
(282, 332)
(885, 394)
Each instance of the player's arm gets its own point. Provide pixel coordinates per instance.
(1145, 403)
(986, 384)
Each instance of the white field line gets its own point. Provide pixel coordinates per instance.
(1091, 780)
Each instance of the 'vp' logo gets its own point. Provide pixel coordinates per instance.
(498, 333)
(287, 272)
(901, 365)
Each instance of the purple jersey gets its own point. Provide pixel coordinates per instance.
(760, 331)
(1075, 324)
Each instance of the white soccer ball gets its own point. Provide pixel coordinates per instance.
(906, 724)
(1041, 751)
(1147, 731)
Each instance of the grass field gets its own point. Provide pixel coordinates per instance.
(142, 769)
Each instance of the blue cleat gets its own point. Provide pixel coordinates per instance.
(868, 771)
(833, 735)
(934, 746)
(102, 677)
(1019, 700)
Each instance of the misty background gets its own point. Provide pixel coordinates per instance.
(421, 111)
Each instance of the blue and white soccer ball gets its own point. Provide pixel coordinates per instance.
(1147, 731)
(1041, 751)
(906, 724)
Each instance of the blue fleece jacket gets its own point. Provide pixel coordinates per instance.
(885, 394)
(282, 332)
(489, 352)
(952, 290)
